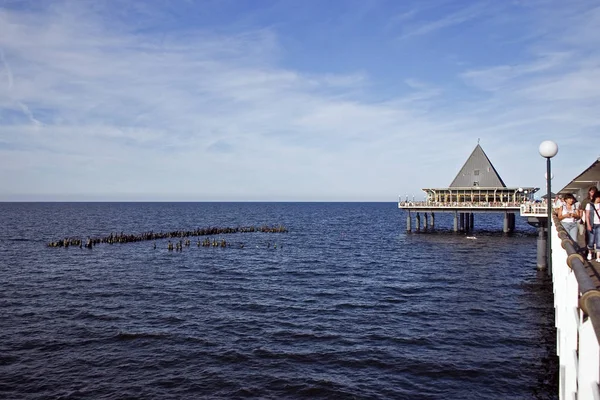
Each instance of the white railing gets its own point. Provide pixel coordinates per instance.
(462, 204)
(577, 310)
(533, 209)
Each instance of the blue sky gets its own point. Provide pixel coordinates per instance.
(265, 100)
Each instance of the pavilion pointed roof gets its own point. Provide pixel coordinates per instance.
(478, 171)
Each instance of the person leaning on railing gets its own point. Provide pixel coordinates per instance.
(569, 214)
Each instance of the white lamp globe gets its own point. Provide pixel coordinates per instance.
(548, 149)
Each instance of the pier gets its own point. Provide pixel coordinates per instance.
(477, 188)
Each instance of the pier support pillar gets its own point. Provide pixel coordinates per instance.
(505, 227)
(408, 222)
(425, 222)
(432, 225)
(462, 222)
(418, 222)
(467, 222)
(455, 221)
(512, 222)
(471, 220)
(542, 262)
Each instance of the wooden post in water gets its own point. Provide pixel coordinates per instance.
(455, 221)
(432, 221)
(425, 222)
(541, 248)
(418, 222)
(408, 222)
(472, 220)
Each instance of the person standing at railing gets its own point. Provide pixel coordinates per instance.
(591, 191)
(558, 202)
(569, 214)
(592, 217)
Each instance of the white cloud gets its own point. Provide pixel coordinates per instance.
(94, 107)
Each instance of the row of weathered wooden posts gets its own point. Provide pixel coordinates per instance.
(121, 238)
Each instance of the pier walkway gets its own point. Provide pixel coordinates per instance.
(576, 284)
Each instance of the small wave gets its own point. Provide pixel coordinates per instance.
(415, 340)
(7, 360)
(311, 388)
(93, 316)
(232, 356)
(296, 335)
(477, 310)
(140, 335)
(351, 306)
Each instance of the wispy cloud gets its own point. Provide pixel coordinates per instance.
(496, 77)
(430, 26)
(6, 71)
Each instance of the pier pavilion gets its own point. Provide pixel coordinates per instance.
(477, 188)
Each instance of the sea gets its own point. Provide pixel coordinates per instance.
(344, 305)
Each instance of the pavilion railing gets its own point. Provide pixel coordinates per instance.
(534, 208)
(462, 204)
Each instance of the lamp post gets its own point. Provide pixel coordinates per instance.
(548, 149)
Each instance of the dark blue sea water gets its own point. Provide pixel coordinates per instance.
(348, 306)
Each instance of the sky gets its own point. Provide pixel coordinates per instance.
(290, 100)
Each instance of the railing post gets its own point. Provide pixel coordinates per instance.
(589, 361)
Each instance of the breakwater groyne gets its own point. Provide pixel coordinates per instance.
(121, 238)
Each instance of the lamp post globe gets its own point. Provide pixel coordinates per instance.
(548, 149)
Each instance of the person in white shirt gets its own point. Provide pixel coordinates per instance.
(558, 202)
(569, 215)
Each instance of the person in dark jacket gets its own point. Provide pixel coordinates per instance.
(590, 194)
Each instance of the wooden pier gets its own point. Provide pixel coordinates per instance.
(477, 188)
